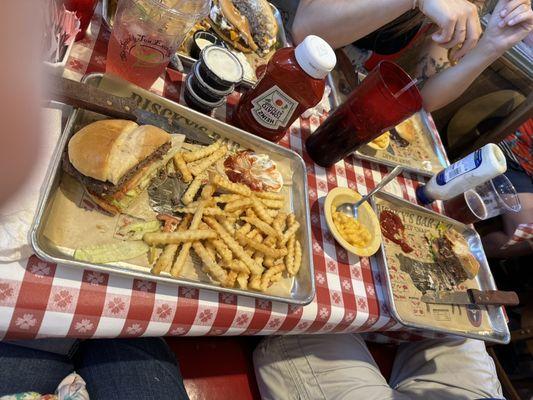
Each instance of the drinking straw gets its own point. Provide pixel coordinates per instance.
(405, 88)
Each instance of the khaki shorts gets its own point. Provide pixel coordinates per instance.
(341, 367)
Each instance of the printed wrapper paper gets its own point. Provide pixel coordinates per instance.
(420, 153)
(407, 297)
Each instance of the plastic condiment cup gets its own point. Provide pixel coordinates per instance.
(216, 63)
(195, 101)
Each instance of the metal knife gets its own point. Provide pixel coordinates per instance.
(91, 98)
(473, 296)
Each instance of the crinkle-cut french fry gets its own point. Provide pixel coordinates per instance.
(271, 242)
(207, 192)
(272, 213)
(289, 232)
(250, 212)
(186, 247)
(277, 277)
(255, 282)
(291, 218)
(215, 270)
(227, 223)
(181, 166)
(267, 251)
(158, 238)
(225, 253)
(202, 152)
(269, 195)
(230, 280)
(297, 258)
(235, 247)
(261, 211)
(242, 280)
(226, 184)
(289, 258)
(263, 226)
(276, 204)
(245, 229)
(208, 161)
(258, 258)
(272, 262)
(279, 222)
(235, 214)
(193, 188)
(227, 198)
(237, 266)
(253, 234)
(267, 276)
(237, 205)
(164, 262)
(207, 210)
(210, 249)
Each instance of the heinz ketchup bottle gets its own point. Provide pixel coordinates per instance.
(293, 82)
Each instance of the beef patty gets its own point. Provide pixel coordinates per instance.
(102, 188)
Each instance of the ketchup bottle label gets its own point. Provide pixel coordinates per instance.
(273, 108)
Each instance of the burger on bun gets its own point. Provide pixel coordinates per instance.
(248, 25)
(116, 160)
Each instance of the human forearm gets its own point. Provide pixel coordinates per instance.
(446, 86)
(342, 22)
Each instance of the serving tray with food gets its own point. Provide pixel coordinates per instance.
(426, 257)
(251, 30)
(229, 215)
(411, 144)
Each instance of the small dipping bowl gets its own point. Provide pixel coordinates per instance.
(194, 101)
(219, 68)
(202, 89)
(367, 217)
(203, 39)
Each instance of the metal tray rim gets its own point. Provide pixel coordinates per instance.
(383, 266)
(439, 153)
(55, 165)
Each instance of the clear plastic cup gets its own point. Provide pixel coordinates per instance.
(145, 35)
(490, 199)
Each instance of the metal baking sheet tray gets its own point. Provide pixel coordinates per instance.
(303, 285)
(185, 58)
(427, 128)
(498, 331)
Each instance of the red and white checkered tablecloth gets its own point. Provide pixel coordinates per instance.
(40, 299)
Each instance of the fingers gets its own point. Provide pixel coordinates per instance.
(445, 33)
(521, 18)
(472, 37)
(459, 35)
(521, 8)
(510, 6)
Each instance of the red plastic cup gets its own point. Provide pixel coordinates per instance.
(370, 110)
(84, 10)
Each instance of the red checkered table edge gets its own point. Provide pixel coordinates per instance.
(41, 299)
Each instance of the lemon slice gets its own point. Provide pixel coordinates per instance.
(381, 142)
(367, 217)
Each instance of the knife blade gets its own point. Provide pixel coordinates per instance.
(91, 98)
(472, 296)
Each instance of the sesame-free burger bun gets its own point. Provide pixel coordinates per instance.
(106, 150)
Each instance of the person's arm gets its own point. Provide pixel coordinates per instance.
(510, 22)
(342, 22)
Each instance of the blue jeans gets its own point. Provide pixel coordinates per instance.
(114, 369)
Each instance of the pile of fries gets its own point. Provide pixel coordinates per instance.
(242, 237)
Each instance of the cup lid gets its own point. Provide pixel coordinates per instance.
(315, 56)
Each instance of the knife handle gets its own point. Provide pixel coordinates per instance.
(88, 97)
(493, 297)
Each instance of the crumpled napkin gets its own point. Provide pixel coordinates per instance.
(16, 215)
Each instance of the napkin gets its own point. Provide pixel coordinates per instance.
(16, 215)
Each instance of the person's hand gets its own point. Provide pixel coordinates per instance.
(458, 23)
(510, 22)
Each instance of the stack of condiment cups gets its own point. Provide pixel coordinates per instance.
(213, 77)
